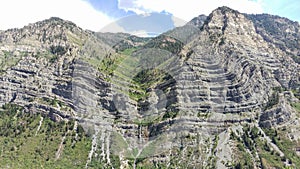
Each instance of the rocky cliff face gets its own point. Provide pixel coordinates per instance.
(219, 92)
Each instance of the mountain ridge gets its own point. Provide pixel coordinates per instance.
(220, 92)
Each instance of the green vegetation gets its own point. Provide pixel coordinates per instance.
(153, 148)
(27, 144)
(244, 158)
(204, 115)
(75, 39)
(296, 92)
(180, 157)
(128, 52)
(115, 161)
(147, 121)
(170, 114)
(149, 79)
(273, 100)
(166, 43)
(274, 27)
(47, 55)
(244, 142)
(52, 102)
(58, 50)
(145, 80)
(252, 140)
(110, 63)
(212, 158)
(268, 157)
(284, 144)
(8, 59)
(296, 106)
(118, 144)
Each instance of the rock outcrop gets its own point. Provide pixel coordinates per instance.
(177, 100)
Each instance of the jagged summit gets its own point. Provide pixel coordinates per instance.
(222, 16)
(56, 21)
(225, 9)
(51, 29)
(198, 21)
(52, 20)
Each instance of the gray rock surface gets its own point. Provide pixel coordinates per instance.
(216, 72)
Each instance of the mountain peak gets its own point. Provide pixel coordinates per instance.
(225, 9)
(198, 21)
(225, 19)
(49, 28)
(55, 21)
(220, 13)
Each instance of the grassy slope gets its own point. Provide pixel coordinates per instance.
(24, 147)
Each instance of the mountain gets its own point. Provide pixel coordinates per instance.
(221, 91)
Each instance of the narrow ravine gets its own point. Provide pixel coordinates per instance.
(107, 147)
(60, 148)
(139, 153)
(40, 125)
(267, 138)
(93, 148)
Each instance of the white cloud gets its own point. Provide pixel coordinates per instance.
(178, 22)
(113, 28)
(188, 9)
(140, 33)
(16, 13)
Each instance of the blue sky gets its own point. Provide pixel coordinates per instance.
(110, 8)
(97, 14)
(191, 8)
(284, 8)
